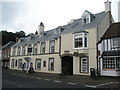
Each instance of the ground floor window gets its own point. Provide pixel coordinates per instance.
(51, 64)
(84, 65)
(12, 63)
(44, 63)
(20, 64)
(16, 62)
(38, 64)
(111, 63)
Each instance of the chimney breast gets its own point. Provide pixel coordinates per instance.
(40, 28)
(107, 6)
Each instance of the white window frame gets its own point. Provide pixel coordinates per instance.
(29, 53)
(12, 63)
(80, 35)
(87, 18)
(118, 42)
(51, 64)
(23, 50)
(13, 54)
(83, 66)
(38, 61)
(35, 48)
(52, 46)
(110, 63)
(18, 52)
(43, 45)
(20, 63)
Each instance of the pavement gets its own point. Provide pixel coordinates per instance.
(101, 82)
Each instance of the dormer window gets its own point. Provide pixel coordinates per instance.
(86, 19)
(59, 30)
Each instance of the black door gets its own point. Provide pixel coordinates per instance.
(67, 65)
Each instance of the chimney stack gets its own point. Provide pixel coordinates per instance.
(40, 28)
(107, 6)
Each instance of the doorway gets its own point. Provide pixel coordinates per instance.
(67, 65)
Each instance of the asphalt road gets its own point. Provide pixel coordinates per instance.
(18, 79)
(11, 80)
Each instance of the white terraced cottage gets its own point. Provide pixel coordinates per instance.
(109, 47)
(69, 49)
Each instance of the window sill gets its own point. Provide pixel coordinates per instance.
(80, 48)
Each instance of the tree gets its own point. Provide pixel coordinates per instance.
(10, 36)
(21, 34)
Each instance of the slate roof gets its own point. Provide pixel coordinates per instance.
(73, 27)
(8, 45)
(111, 53)
(112, 31)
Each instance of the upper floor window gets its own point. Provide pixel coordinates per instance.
(116, 42)
(86, 19)
(80, 40)
(18, 51)
(23, 51)
(29, 49)
(35, 48)
(52, 46)
(13, 53)
(42, 47)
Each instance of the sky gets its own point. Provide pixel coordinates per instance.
(26, 15)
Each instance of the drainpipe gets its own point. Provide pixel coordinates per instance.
(60, 46)
(97, 58)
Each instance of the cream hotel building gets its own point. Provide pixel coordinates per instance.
(69, 49)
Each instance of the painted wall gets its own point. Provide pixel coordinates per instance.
(67, 45)
(57, 62)
(103, 26)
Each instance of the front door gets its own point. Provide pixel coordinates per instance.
(67, 65)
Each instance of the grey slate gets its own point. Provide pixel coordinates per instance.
(75, 26)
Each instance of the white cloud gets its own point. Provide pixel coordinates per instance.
(56, 12)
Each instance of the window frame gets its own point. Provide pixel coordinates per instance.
(29, 52)
(12, 63)
(87, 64)
(23, 50)
(118, 42)
(50, 67)
(20, 64)
(36, 63)
(35, 48)
(44, 63)
(108, 64)
(50, 49)
(19, 50)
(82, 35)
(16, 63)
(41, 51)
(86, 19)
